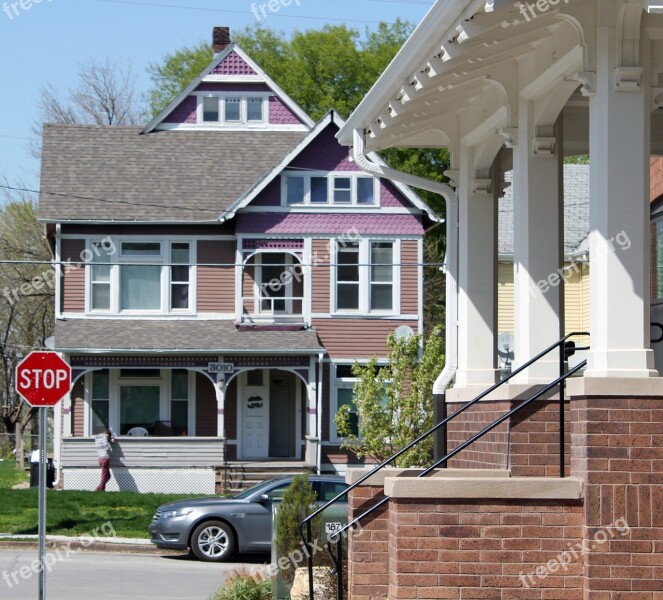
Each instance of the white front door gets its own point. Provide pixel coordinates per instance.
(254, 403)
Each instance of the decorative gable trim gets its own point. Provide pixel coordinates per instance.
(331, 117)
(259, 76)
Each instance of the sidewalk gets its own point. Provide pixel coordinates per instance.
(97, 544)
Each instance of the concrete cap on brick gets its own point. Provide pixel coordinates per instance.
(494, 488)
(354, 475)
(623, 387)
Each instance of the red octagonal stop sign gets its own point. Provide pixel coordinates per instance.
(43, 378)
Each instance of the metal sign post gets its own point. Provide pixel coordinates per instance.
(43, 423)
(42, 379)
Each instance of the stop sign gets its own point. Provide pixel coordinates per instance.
(43, 378)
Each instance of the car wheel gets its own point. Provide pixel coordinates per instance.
(212, 541)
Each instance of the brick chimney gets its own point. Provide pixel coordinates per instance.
(220, 39)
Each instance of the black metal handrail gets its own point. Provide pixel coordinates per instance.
(566, 349)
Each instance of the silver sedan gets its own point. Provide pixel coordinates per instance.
(216, 528)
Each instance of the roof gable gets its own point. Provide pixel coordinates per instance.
(232, 65)
(297, 155)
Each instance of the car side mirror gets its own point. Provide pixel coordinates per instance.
(263, 499)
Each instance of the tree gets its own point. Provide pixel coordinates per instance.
(26, 305)
(105, 94)
(394, 403)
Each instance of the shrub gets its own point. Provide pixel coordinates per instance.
(298, 503)
(243, 585)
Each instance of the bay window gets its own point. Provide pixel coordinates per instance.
(337, 189)
(152, 277)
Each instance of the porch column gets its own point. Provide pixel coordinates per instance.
(538, 244)
(477, 275)
(619, 142)
(65, 415)
(220, 392)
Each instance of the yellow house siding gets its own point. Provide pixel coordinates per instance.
(576, 298)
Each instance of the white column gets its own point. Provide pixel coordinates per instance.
(65, 415)
(619, 144)
(477, 276)
(538, 249)
(220, 392)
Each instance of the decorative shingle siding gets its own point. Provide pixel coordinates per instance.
(233, 87)
(73, 279)
(216, 285)
(329, 224)
(280, 114)
(234, 64)
(325, 154)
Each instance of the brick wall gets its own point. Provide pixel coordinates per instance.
(656, 181)
(527, 444)
(618, 450)
(368, 571)
(482, 549)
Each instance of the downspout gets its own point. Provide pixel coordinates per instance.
(451, 258)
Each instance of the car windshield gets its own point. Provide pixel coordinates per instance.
(261, 488)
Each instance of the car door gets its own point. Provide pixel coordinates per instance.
(256, 535)
(335, 516)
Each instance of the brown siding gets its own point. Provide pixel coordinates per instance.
(205, 407)
(321, 277)
(78, 408)
(216, 285)
(326, 407)
(357, 338)
(409, 278)
(73, 279)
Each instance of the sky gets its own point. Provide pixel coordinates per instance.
(45, 41)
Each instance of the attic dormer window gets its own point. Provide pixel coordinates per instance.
(232, 109)
(337, 189)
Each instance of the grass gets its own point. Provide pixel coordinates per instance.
(75, 513)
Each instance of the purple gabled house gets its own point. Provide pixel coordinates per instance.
(234, 264)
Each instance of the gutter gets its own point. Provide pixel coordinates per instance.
(451, 258)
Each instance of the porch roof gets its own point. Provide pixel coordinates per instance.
(164, 336)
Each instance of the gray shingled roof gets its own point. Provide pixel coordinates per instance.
(576, 210)
(115, 173)
(172, 336)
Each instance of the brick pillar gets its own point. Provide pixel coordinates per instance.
(368, 568)
(617, 448)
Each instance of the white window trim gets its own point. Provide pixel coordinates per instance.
(117, 259)
(289, 262)
(364, 280)
(331, 176)
(244, 98)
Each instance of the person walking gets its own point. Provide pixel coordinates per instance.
(102, 443)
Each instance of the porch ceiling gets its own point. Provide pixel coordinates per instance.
(118, 335)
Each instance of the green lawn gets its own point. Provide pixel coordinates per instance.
(75, 513)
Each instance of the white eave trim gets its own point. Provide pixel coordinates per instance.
(442, 16)
(262, 77)
(331, 117)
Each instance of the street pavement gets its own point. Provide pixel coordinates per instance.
(80, 575)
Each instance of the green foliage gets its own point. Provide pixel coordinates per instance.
(242, 585)
(581, 159)
(297, 504)
(175, 72)
(395, 402)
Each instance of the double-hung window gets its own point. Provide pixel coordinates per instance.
(344, 392)
(152, 277)
(365, 276)
(232, 109)
(334, 189)
(100, 401)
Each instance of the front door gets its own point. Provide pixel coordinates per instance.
(254, 399)
(282, 415)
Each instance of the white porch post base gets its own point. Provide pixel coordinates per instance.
(621, 363)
